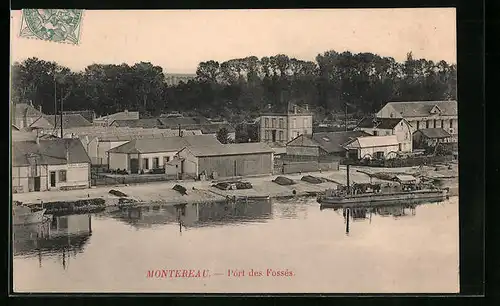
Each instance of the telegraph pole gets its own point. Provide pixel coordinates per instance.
(61, 115)
(345, 118)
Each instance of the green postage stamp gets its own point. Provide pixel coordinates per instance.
(57, 25)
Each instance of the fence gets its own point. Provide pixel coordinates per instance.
(307, 158)
(101, 177)
(402, 162)
(296, 163)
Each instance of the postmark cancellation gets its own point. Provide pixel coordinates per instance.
(56, 25)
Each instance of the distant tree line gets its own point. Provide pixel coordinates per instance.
(238, 88)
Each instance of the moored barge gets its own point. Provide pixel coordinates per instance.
(367, 195)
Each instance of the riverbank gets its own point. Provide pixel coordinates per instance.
(201, 191)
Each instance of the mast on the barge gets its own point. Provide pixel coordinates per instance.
(348, 183)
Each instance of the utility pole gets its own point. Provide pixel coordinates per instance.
(345, 118)
(61, 114)
(55, 103)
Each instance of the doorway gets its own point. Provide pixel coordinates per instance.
(134, 165)
(52, 179)
(37, 183)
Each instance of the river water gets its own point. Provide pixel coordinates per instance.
(404, 250)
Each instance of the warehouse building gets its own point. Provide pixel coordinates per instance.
(229, 160)
(151, 154)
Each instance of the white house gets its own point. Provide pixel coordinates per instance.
(369, 147)
(389, 126)
(424, 114)
(99, 140)
(42, 165)
(149, 154)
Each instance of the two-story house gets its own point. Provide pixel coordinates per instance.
(283, 127)
(424, 114)
(388, 126)
(26, 116)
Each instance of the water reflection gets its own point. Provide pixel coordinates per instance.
(293, 208)
(197, 215)
(365, 213)
(64, 235)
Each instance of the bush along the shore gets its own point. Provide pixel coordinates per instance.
(77, 206)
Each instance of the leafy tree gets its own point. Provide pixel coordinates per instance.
(239, 88)
(223, 135)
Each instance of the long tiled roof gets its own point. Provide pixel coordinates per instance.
(434, 133)
(69, 121)
(373, 141)
(331, 142)
(211, 128)
(379, 123)
(24, 109)
(423, 108)
(174, 122)
(49, 152)
(138, 123)
(113, 133)
(230, 149)
(126, 115)
(41, 123)
(166, 144)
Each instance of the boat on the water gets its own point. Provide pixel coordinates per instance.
(363, 195)
(23, 215)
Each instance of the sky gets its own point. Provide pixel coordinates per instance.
(179, 40)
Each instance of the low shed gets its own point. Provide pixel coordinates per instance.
(227, 160)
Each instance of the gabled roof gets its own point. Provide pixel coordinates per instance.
(88, 114)
(69, 121)
(49, 152)
(434, 133)
(41, 123)
(166, 144)
(423, 108)
(24, 109)
(331, 142)
(379, 123)
(230, 149)
(372, 141)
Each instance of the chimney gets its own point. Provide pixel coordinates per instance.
(37, 137)
(126, 111)
(40, 108)
(295, 109)
(180, 131)
(306, 106)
